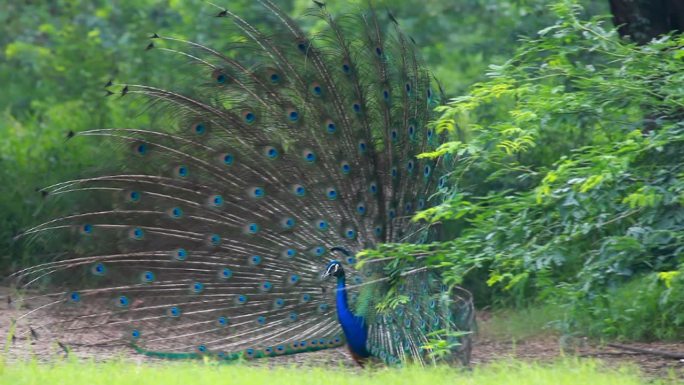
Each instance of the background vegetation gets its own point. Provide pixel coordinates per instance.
(567, 186)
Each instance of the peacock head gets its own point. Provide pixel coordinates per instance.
(334, 269)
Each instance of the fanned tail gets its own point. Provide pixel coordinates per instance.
(210, 236)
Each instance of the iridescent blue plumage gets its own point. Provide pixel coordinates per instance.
(353, 326)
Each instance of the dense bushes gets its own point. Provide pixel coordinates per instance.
(568, 183)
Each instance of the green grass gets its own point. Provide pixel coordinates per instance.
(520, 324)
(570, 372)
(644, 308)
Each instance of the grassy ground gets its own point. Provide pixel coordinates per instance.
(520, 324)
(513, 347)
(570, 372)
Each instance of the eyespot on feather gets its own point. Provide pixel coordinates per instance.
(345, 167)
(227, 159)
(289, 253)
(86, 229)
(362, 146)
(330, 126)
(251, 228)
(292, 114)
(356, 107)
(256, 192)
(303, 45)
(99, 269)
(199, 128)
(309, 156)
(287, 223)
(248, 116)
(271, 152)
(220, 77)
(175, 212)
(272, 76)
(214, 240)
(181, 171)
(215, 201)
(133, 196)
(136, 233)
(298, 190)
(316, 89)
(141, 149)
(179, 254)
(346, 67)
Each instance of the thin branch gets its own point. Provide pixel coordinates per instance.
(673, 355)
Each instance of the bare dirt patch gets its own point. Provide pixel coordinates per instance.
(547, 346)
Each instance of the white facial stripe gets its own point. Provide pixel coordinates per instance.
(335, 267)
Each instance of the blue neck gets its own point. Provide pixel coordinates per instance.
(354, 327)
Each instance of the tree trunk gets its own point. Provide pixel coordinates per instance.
(642, 20)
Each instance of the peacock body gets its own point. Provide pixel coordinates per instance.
(231, 228)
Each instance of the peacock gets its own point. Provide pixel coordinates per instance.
(231, 228)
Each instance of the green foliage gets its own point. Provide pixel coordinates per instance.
(441, 348)
(647, 308)
(568, 180)
(55, 59)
